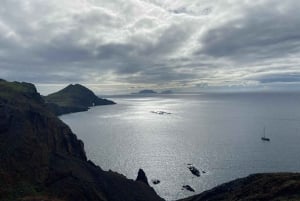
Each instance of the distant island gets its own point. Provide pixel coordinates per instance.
(147, 91)
(73, 98)
(150, 91)
(167, 92)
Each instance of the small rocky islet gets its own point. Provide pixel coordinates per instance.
(155, 181)
(160, 112)
(188, 188)
(193, 170)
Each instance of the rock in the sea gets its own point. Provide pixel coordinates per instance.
(155, 181)
(160, 112)
(142, 177)
(194, 170)
(188, 188)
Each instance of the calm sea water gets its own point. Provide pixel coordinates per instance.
(218, 133)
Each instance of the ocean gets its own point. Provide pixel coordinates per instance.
(219, 133)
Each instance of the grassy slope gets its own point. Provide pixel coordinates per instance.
(73, 98)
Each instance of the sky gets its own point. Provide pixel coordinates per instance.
(117, 46)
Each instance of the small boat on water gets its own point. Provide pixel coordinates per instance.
(264, 138)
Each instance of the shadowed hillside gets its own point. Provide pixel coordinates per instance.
(73, 98)
(40, 157)
(257, 187)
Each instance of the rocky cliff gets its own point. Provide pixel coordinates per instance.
(257, 187)
(73, 98)
(40, 157)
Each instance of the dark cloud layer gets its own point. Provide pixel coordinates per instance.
(142, 43)
(264, 31)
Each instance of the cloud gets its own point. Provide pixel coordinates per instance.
(262, 32)
(281, 78)
(139, 43)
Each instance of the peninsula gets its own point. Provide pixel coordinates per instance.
(73, 98)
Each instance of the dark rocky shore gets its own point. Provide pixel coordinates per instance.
(257, 187)
(41, 159)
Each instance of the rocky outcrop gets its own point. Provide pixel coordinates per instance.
(41, 157)
(188, 188)
(194, 170)
(257, 187)
(141, 177)
(155, 181)
(73, 98)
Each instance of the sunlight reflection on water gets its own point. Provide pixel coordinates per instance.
(217, 133)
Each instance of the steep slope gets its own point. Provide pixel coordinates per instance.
(73, 98)
(257, 187)
(41, 157)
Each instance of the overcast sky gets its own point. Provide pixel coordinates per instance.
(127, 45)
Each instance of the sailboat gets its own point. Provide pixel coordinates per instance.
(264, 138)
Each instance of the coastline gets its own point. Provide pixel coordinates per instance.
(60, 169)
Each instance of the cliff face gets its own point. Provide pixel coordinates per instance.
(40, 156)
(74, 98)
